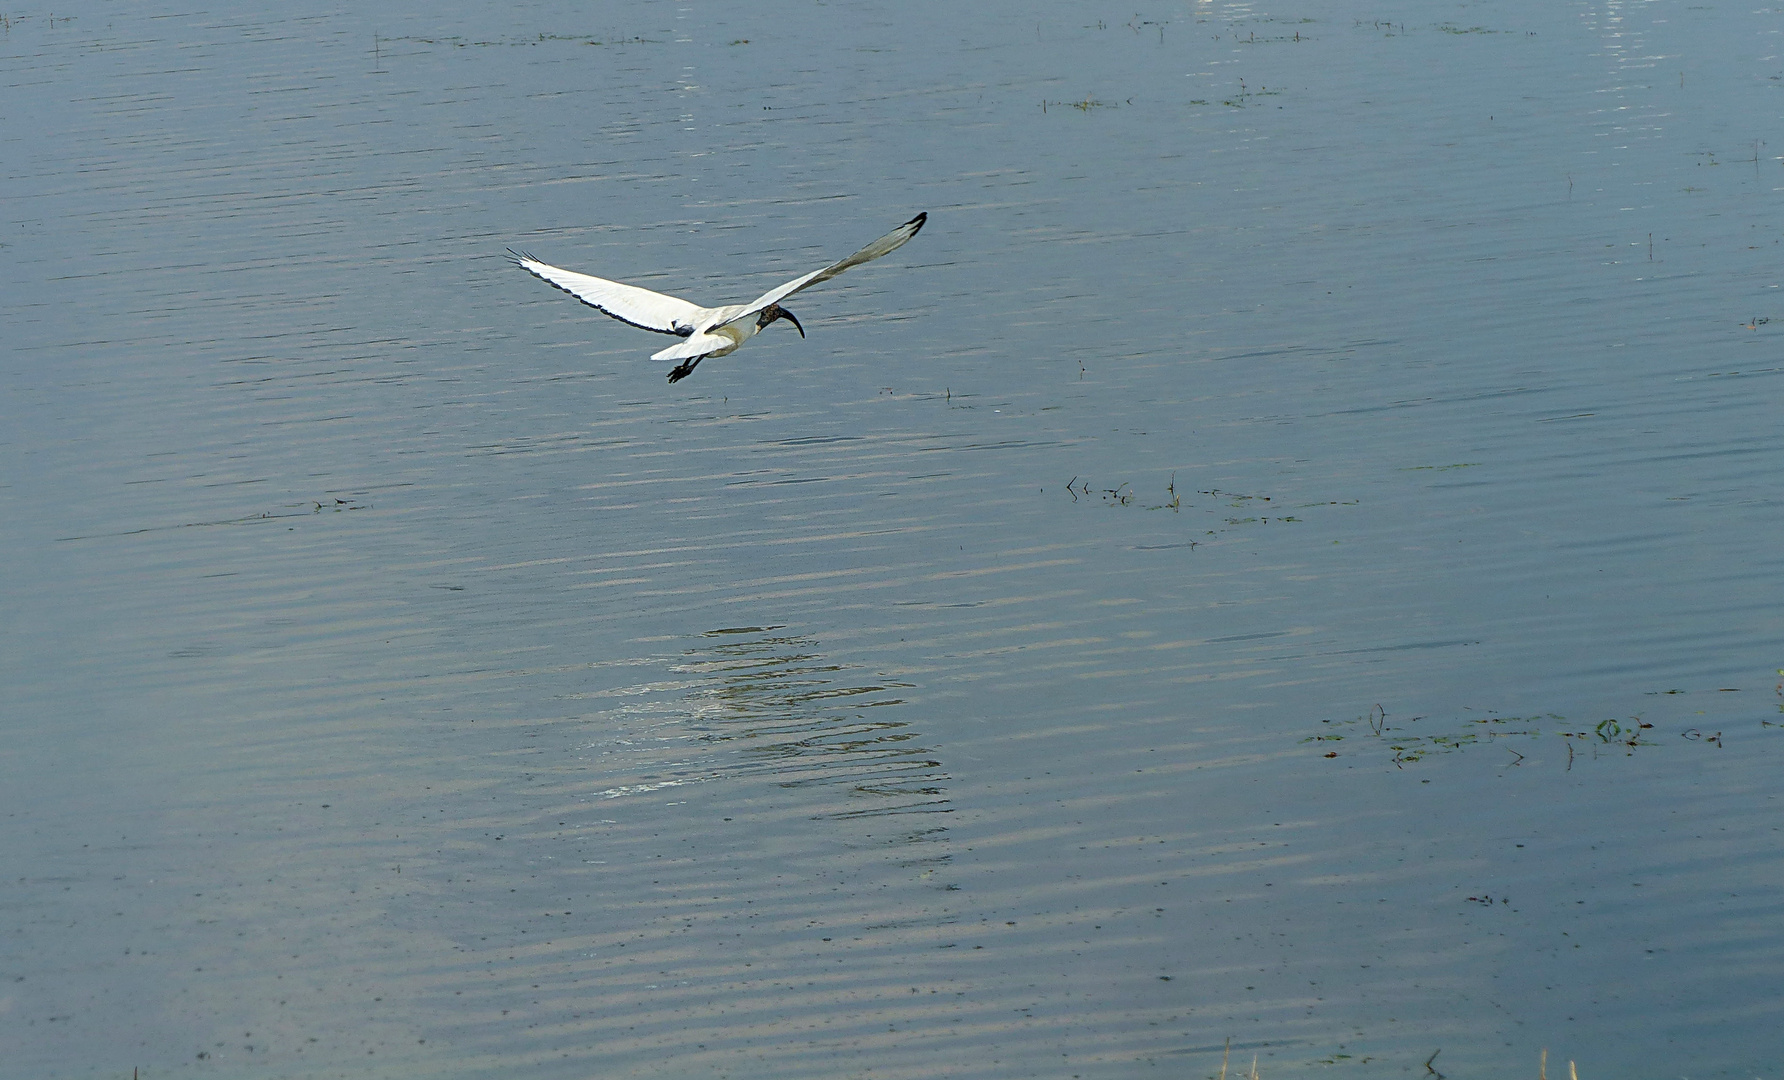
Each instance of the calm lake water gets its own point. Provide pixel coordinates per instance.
(1289, 556)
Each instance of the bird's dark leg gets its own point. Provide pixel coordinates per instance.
(684, 369)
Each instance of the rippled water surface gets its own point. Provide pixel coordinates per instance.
(1288, 557)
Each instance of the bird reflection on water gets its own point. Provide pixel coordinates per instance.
(807, 722)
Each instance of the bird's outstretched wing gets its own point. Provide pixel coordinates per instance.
(698, 345)
(885, 245)
(628, 303)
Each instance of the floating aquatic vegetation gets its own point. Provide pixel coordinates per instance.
(1088, 103)
(1409, 741)
(1219, 504)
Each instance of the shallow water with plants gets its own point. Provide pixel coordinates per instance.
(1285, 565)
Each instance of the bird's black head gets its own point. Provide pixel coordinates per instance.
(775, 311)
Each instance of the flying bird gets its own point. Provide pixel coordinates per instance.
(716, 331)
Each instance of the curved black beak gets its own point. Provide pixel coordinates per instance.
(775, 311)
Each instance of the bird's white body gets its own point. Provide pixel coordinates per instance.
(706, 332)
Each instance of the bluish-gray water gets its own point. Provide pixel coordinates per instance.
(1289, 555)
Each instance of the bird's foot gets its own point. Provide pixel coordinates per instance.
(684, 369)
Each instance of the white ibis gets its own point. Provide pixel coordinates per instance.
(715, 331)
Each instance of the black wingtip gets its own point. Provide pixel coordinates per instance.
(520, 257)
(917, 222)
